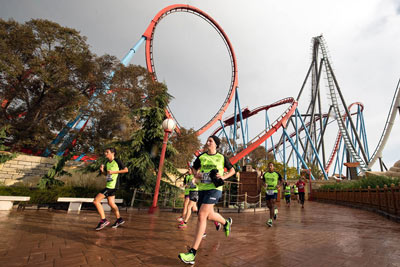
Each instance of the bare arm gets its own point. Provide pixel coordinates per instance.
(227, 175)
(125, 170)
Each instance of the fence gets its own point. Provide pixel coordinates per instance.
(175, 200)
(169, 199)
(386, 199)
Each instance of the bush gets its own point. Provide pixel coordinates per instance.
(371, 180)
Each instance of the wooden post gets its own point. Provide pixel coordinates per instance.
(386, 198)
(335, 195)
(392, 188)
(224, 199)
(369, 196)
(133, 197)
(245, 200)
(229, 195)
(165, 198)
(378, 191)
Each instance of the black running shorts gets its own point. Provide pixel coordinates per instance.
(194, 196)
(108, 192)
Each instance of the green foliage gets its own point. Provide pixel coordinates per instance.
(257, 157)
(370, 180)
(141, 152)
(315, 170)
(48, 180)
(4, 155)
(185, 143)
(46, 73)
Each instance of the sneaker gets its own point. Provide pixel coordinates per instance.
(118, 222)
(102, 224)
(187, 258)
(180, 219)
(228, 225)
(269, 222)
(275, 214)
(217, 226)
(204, 235)
(182, 224)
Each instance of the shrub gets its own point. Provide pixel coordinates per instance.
(371, 180)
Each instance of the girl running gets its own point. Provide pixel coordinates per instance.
(209, 173)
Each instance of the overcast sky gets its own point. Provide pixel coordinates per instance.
(272, 43)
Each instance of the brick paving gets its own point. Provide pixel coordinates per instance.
(319, 235)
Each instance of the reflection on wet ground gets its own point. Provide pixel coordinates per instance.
(319, 235)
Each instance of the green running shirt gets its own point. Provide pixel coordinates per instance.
(114, 165)
(271, 179)
(205, 163)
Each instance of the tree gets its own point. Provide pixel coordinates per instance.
(186, 144)
(112, 119)
(141, 153)
(46, 74)
(257, 156)
(224, 147)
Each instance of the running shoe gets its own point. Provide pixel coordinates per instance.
(182, 224)
(102, 224)
(269, 222)
(180, 219)
(187, 258)
(217, 226)
(227, 226)
(275, 213)
(118, 222)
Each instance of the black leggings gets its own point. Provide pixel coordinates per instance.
(301, 197)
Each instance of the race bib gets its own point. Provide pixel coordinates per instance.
(206, 179)
(270, 192)
(109, 178)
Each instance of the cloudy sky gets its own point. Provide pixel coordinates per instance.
(271, 40)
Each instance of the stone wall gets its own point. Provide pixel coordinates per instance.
(392, 172)
(24, 168)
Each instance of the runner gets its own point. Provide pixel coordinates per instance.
(193, 195)
(113, 168)
(296, 192)
(209, 174)
(272, 180)
(287, 189)
(186, 183)
(301, 186)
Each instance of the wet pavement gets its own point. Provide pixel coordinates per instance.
(319, 235)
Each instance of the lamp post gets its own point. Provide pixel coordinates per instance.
(168, 126)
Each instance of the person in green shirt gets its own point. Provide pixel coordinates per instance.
(296, 192)
(193, 197)
(112, 169)
(209, 173)
(272, 180)
(186, 181)
(287, 189)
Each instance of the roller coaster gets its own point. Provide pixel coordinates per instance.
(298, 137)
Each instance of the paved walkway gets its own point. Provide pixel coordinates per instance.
(319, 235)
